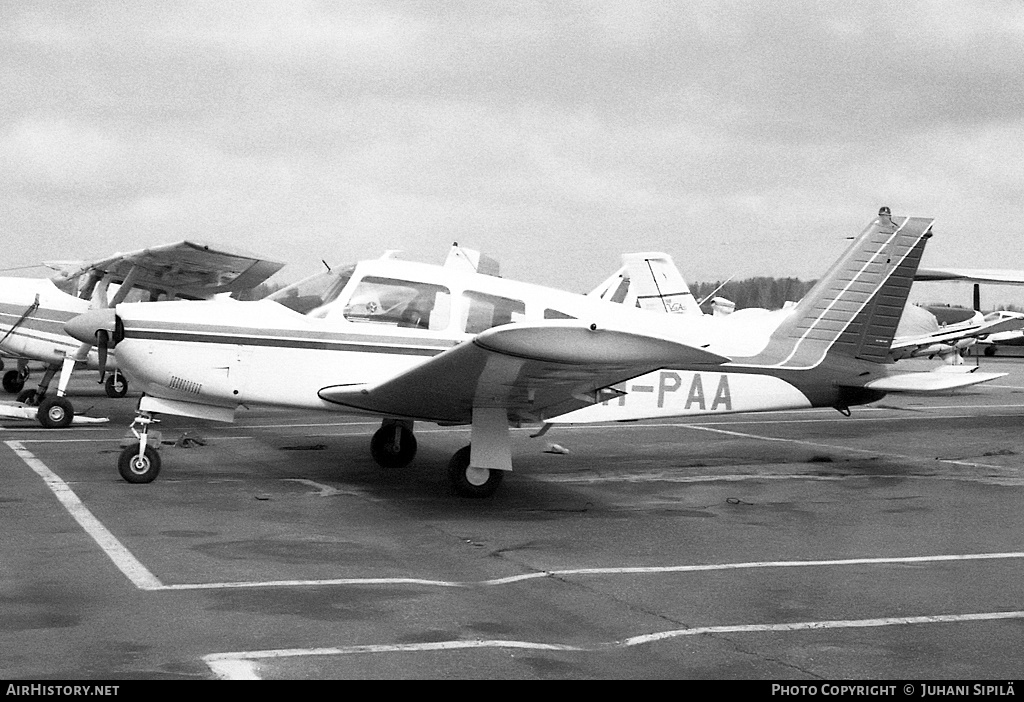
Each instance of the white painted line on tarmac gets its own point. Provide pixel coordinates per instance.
(322, 490)
(851, 449)
(108, 440)
(121, 556)
(243, 665)
(627, 570)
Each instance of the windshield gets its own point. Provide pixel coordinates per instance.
(313, 292)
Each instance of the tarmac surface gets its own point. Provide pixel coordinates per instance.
(807, 545)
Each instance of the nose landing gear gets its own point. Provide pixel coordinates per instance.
(140, 463)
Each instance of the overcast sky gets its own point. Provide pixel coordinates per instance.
(746, 138)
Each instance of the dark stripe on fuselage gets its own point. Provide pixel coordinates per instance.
(281, 342)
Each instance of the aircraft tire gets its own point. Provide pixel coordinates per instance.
(138, 469)
(13, 381)
(55, 413)
(384, 452)
(116, 386)
(472, 482)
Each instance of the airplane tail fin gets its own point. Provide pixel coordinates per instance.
(650, 281)
(854, 309)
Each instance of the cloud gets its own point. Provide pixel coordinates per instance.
(746, 138)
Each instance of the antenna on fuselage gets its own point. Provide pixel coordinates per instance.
(325, 264)
(712, 293)
(470, 260)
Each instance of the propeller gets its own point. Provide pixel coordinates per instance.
(102, 343)
(100, 328)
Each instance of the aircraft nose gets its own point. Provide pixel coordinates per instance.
(84, 327)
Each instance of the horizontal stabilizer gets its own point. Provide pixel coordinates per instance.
(941, 380)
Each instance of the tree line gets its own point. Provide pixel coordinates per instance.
(764, 292)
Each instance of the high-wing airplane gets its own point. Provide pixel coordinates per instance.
(1006, 334)
(946, 332)
(413, 342)
(33, 312)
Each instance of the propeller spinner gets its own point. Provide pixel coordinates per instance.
(96, 327)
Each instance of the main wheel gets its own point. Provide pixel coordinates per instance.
(138, 469)
(116, 385)
(14, 381)
(55, 413)
(469, 481)
(393, 446)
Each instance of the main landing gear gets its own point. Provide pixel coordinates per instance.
(116, 385)
(474, 471)
(14, 380)
(54, 412)
(469, 481)
(393, 445)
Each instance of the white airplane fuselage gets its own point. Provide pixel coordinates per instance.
(33, 312)
(222, 355)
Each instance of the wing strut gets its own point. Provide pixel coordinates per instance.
(24, 315)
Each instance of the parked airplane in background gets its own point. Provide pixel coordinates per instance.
(649, 281)
(1013, 336)
(413, 342)
(946, 332)
(33, 312)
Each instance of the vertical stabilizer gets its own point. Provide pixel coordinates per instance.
(856, 306)
(650, 281)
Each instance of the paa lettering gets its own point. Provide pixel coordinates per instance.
(671, 381)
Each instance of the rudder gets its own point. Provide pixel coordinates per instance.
(856, 306)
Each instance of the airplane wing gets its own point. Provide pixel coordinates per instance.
(975, 275)
(939, 380)
(534, 371)
(993, 324)
(187, 268)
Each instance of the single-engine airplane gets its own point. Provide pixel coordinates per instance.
(413, 342)
(33, 312)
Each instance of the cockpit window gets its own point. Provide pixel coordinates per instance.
(402, 303)
(486, 311)
(313, 292)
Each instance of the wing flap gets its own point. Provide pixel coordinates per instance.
(535, 371)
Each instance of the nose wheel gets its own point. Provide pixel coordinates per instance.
(138, 467)
(140, 463)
